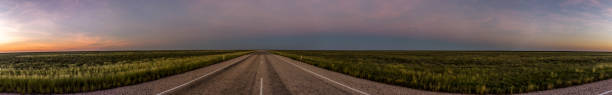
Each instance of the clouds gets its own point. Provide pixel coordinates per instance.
(199, 24)
(48, 26)
(591, 3)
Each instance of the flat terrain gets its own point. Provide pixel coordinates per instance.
(262, 72)
(268, 74)
(69, 72)
(477, 72)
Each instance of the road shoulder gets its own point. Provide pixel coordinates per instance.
(367, 86)
(163, 84)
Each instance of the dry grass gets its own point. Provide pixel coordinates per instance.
(62, 73)
(465, 71)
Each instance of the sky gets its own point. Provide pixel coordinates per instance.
(91, 25)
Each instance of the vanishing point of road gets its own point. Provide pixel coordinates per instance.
(263, 73)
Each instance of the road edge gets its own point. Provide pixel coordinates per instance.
(189, 83)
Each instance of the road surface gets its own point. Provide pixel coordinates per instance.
(267, 74)
(263, 73)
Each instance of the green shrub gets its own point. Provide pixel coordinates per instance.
(476, 72)
(87, 71)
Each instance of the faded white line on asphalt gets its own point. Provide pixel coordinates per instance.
(605, 92)
(261, 80)
(261, 87)
(356, 90)
(162, 93)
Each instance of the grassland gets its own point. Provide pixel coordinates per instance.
(67, 72)
(476, 72)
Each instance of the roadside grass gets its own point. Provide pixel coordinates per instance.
(474, 72)
(68, 72)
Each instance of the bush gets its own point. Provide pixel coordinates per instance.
(88, 71)
(475, 72)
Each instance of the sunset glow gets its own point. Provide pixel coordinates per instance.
(6, 34)
(556, 25)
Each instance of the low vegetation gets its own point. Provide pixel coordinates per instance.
(67, 72)
(476, 72)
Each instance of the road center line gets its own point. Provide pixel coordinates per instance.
(184, 84)
(356, 90)
(261, 87)
(605, 92)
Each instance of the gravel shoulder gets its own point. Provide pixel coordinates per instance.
(377, 88)
(263, 72)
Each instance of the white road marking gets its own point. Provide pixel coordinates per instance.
(261, 80)
(605, 92)
(162, 93)
(356, 90)
(261, 87)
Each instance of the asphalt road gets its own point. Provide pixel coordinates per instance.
(263, 73)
